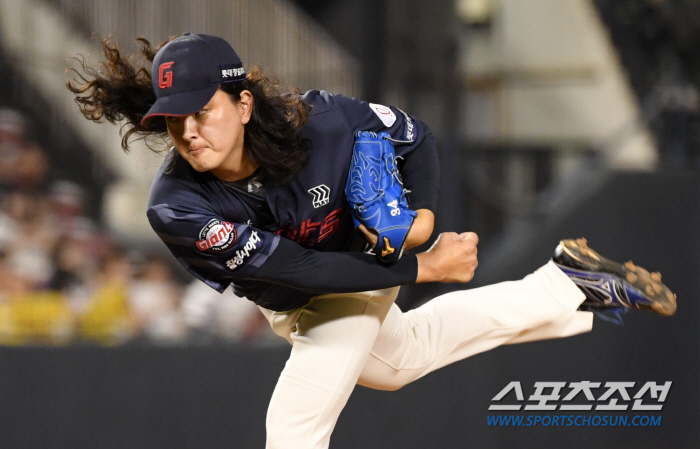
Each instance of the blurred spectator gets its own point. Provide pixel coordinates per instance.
(12, 125)
(72, 269)
(155, 301)
(210, 314)
(23, 164)
(28, 316)
(61, 279)
(107, 318)
(8, 228)
(36, 318)
(29, 171)
(11, 285)
(31, 240)
(67, 199)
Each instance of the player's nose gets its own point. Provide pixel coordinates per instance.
(189, 127)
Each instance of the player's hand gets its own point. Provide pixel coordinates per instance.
(420, 232)
(370, 236)
(452, 258)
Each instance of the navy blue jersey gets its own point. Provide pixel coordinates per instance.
(225, 235)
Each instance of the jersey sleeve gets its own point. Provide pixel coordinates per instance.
(317, 272)
(417, 147)
(214, 250)
(220, 253)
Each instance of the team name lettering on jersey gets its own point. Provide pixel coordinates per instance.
(216, 236)
(243, 254)
(310, 233)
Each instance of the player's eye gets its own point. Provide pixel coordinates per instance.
(201, 112)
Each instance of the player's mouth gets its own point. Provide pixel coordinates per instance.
(194, 152)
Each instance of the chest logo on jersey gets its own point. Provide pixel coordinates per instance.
(311, 233)
(322, 195)
(216, 236)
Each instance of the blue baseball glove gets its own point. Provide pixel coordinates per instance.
(376, 195)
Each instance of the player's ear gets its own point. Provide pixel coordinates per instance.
(245, 106)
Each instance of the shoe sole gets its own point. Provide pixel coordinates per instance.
(662, 300)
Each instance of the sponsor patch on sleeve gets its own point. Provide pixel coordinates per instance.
(385, 114)
(216, 236)
(410, 134)
(251, 245)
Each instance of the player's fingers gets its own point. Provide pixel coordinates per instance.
(449, 236)
(469, 236)
(472, 270)
(370, 236)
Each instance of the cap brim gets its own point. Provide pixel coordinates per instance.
(180, 104)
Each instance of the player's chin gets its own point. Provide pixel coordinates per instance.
(200, 164)
(199, 168)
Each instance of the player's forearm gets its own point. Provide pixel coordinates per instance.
(422, 228)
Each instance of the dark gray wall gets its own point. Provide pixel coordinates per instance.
(406, 50)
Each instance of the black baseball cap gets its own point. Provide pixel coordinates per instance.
(187, 72)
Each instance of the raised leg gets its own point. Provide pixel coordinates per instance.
(460, 324)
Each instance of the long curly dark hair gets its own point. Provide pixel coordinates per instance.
(120, 89)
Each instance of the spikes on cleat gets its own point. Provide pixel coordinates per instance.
(649, 290)
(609, 285)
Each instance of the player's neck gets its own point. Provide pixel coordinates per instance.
(236, 169)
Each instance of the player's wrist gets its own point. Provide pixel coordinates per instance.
(427, 271)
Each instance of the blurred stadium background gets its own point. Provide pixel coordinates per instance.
(556, 119)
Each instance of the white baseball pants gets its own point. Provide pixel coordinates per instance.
(340, 340)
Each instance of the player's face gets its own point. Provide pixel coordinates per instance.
(212, 138)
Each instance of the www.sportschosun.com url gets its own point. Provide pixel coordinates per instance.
(573, 420)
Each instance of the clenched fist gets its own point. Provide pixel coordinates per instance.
(452, 258)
